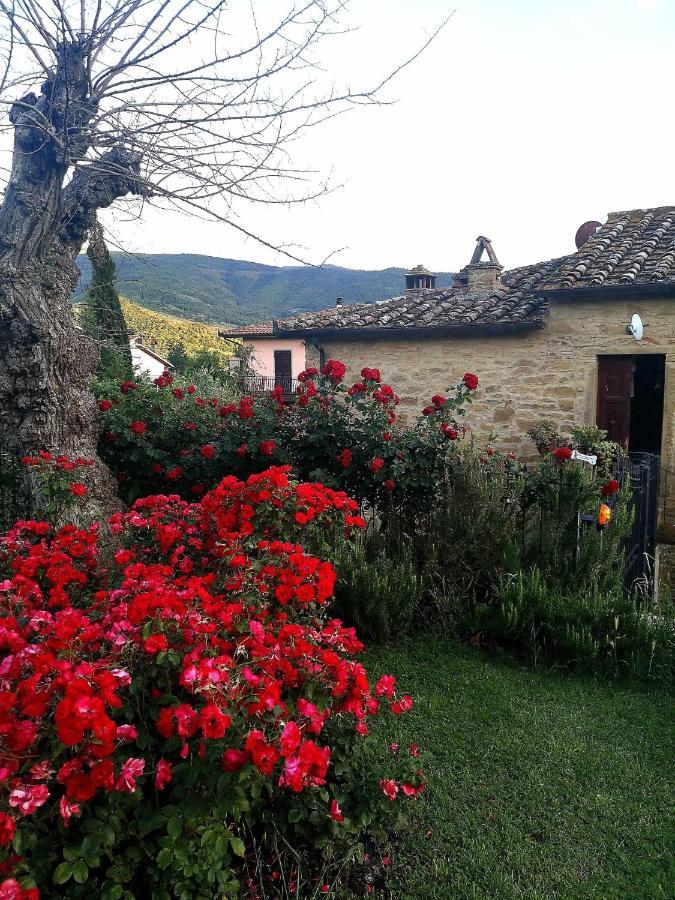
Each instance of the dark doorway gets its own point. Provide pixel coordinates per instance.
(646, 407)
(282, 369)
(630, 400)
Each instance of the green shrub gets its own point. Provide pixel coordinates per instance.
(376, 592)
(588, 627)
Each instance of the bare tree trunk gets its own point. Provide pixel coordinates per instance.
(45, 360)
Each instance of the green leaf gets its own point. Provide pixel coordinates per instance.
(90, 845)
(151, 824)
(174, 828)
(80, 871)
(294, 815)
(62, 873)
(164, 858)
(238, 846)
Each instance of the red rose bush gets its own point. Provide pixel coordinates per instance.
(164, 710)
(159, 437)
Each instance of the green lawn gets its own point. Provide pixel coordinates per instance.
(541, 785)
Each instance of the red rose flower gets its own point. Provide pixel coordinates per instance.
(389, 484)
(403, 705)
(439, 400)
(267, 448)
(376, 464)
(385, 686)
(470, 381)
(264, 756)
(7, 829)
(162, 774)
(127, 386)
(389, 788)
(77, 489)
(174, 473)
(562, 453)
(104, 405)
(213, 722)
(310, 372)
(449, 432)
(611, 487)
(335, 370)
(155, 643)
(336, 812)
(233, 759)
(138, 427)
(345, 458)
(208, 451)
(371, 374)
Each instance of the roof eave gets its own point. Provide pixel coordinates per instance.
(601, 291)
(426, 331)
(244, 336)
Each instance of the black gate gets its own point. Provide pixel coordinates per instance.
(641, 470)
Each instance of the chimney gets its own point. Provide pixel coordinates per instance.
(338, 302)
(419, 279)
(482, 277)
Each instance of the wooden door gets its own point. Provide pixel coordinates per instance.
(615, 388)
(282, 369)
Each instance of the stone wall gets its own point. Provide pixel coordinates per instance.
(548, 374)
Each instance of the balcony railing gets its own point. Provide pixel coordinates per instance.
(262, 384)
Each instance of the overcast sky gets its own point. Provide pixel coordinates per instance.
(524, 119)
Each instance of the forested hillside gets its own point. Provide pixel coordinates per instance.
(170, 330)
(209, 289)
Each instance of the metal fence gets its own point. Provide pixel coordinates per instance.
(259, 384)
(641, 471)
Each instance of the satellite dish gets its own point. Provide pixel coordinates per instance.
(636, 328)
(585, 233)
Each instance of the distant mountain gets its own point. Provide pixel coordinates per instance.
(209, 289)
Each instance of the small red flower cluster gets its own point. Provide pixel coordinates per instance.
(215, 612)
(56, 463)
(610, 488)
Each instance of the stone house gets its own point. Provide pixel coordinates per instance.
(548, 341)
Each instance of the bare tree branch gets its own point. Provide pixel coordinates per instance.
(209, 112)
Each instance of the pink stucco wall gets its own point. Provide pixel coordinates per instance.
(263, 354)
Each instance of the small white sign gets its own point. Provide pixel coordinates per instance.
(585, 457)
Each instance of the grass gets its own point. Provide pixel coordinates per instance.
(541, 785)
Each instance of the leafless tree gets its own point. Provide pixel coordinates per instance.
(192, 103)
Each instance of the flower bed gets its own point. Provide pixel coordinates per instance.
(166, 710)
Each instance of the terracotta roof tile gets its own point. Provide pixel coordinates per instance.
(510, 304)
(244, 331)
(634, 247)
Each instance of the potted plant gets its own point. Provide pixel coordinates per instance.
(545, 437)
